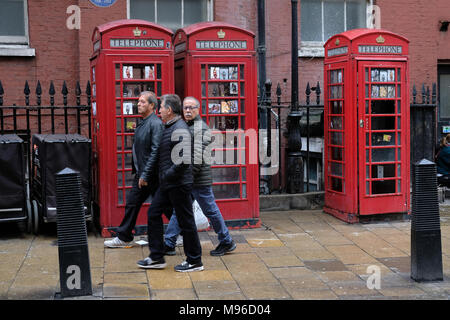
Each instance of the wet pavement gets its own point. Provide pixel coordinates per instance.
(295, 255)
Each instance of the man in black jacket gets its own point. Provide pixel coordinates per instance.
(202, 189)
(175, 186)
(147, 137)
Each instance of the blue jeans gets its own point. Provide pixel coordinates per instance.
(205, 198)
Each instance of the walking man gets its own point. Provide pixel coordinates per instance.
(202, 189)
(175, 187)
(147, 137)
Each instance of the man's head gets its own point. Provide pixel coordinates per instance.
(170, 107)
(191, 108)
(147, 103)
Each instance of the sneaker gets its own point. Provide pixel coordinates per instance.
(148, 263)
(187, 267)
(179, 242)
(117, 243)
(223, 248)
(169, 251)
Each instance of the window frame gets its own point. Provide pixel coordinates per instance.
(315, 48)
(209, 11)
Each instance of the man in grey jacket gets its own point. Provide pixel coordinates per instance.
(202, 189)
(147, 137)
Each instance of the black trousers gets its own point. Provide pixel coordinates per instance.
(180, 199)
(135, 198)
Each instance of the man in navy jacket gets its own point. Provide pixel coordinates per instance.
(175, 187)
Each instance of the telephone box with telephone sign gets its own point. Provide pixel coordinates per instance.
(366, 135)
(215, 62)
(129, 56)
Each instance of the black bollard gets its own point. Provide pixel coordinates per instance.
(426, 250)
(74, 268)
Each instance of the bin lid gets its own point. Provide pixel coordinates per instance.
(10, 138)
(61, 138)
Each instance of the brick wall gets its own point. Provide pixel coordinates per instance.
(61, 54)
(419, 22)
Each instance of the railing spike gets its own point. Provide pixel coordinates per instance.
(318, 92)
(308, 89)
(26, 91)
(64, 91)
(88, 92)
(308, 93)
(38, 93)
(278, 93)
(51, 92)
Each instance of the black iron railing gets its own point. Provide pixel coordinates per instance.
(277, 111)
(14, 118)
(423, 122)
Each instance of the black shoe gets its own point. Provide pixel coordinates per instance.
(148, 263)
(187, 267)
(223, 248)
(169, 251)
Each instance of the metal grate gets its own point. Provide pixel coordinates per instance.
(425, 205)
(70, 218)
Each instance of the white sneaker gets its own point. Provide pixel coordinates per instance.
(117, 243)
(179, 242)
(187, 267)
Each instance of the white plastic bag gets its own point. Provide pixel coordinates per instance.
(201, 221)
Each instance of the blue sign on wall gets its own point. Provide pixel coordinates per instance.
(103, 3)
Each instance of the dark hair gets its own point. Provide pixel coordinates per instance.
(173, 101)
(151, 98)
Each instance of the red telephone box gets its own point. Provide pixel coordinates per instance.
(366, 135)
(129, 56)
(216, 63)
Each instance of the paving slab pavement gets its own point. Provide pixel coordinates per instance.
(295, 255)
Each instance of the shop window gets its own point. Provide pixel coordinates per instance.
(321, 19)
(172, 14)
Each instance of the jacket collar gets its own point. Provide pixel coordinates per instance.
(191, 122)
(172, 121)
(143, 120)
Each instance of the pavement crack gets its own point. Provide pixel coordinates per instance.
(20, 267)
